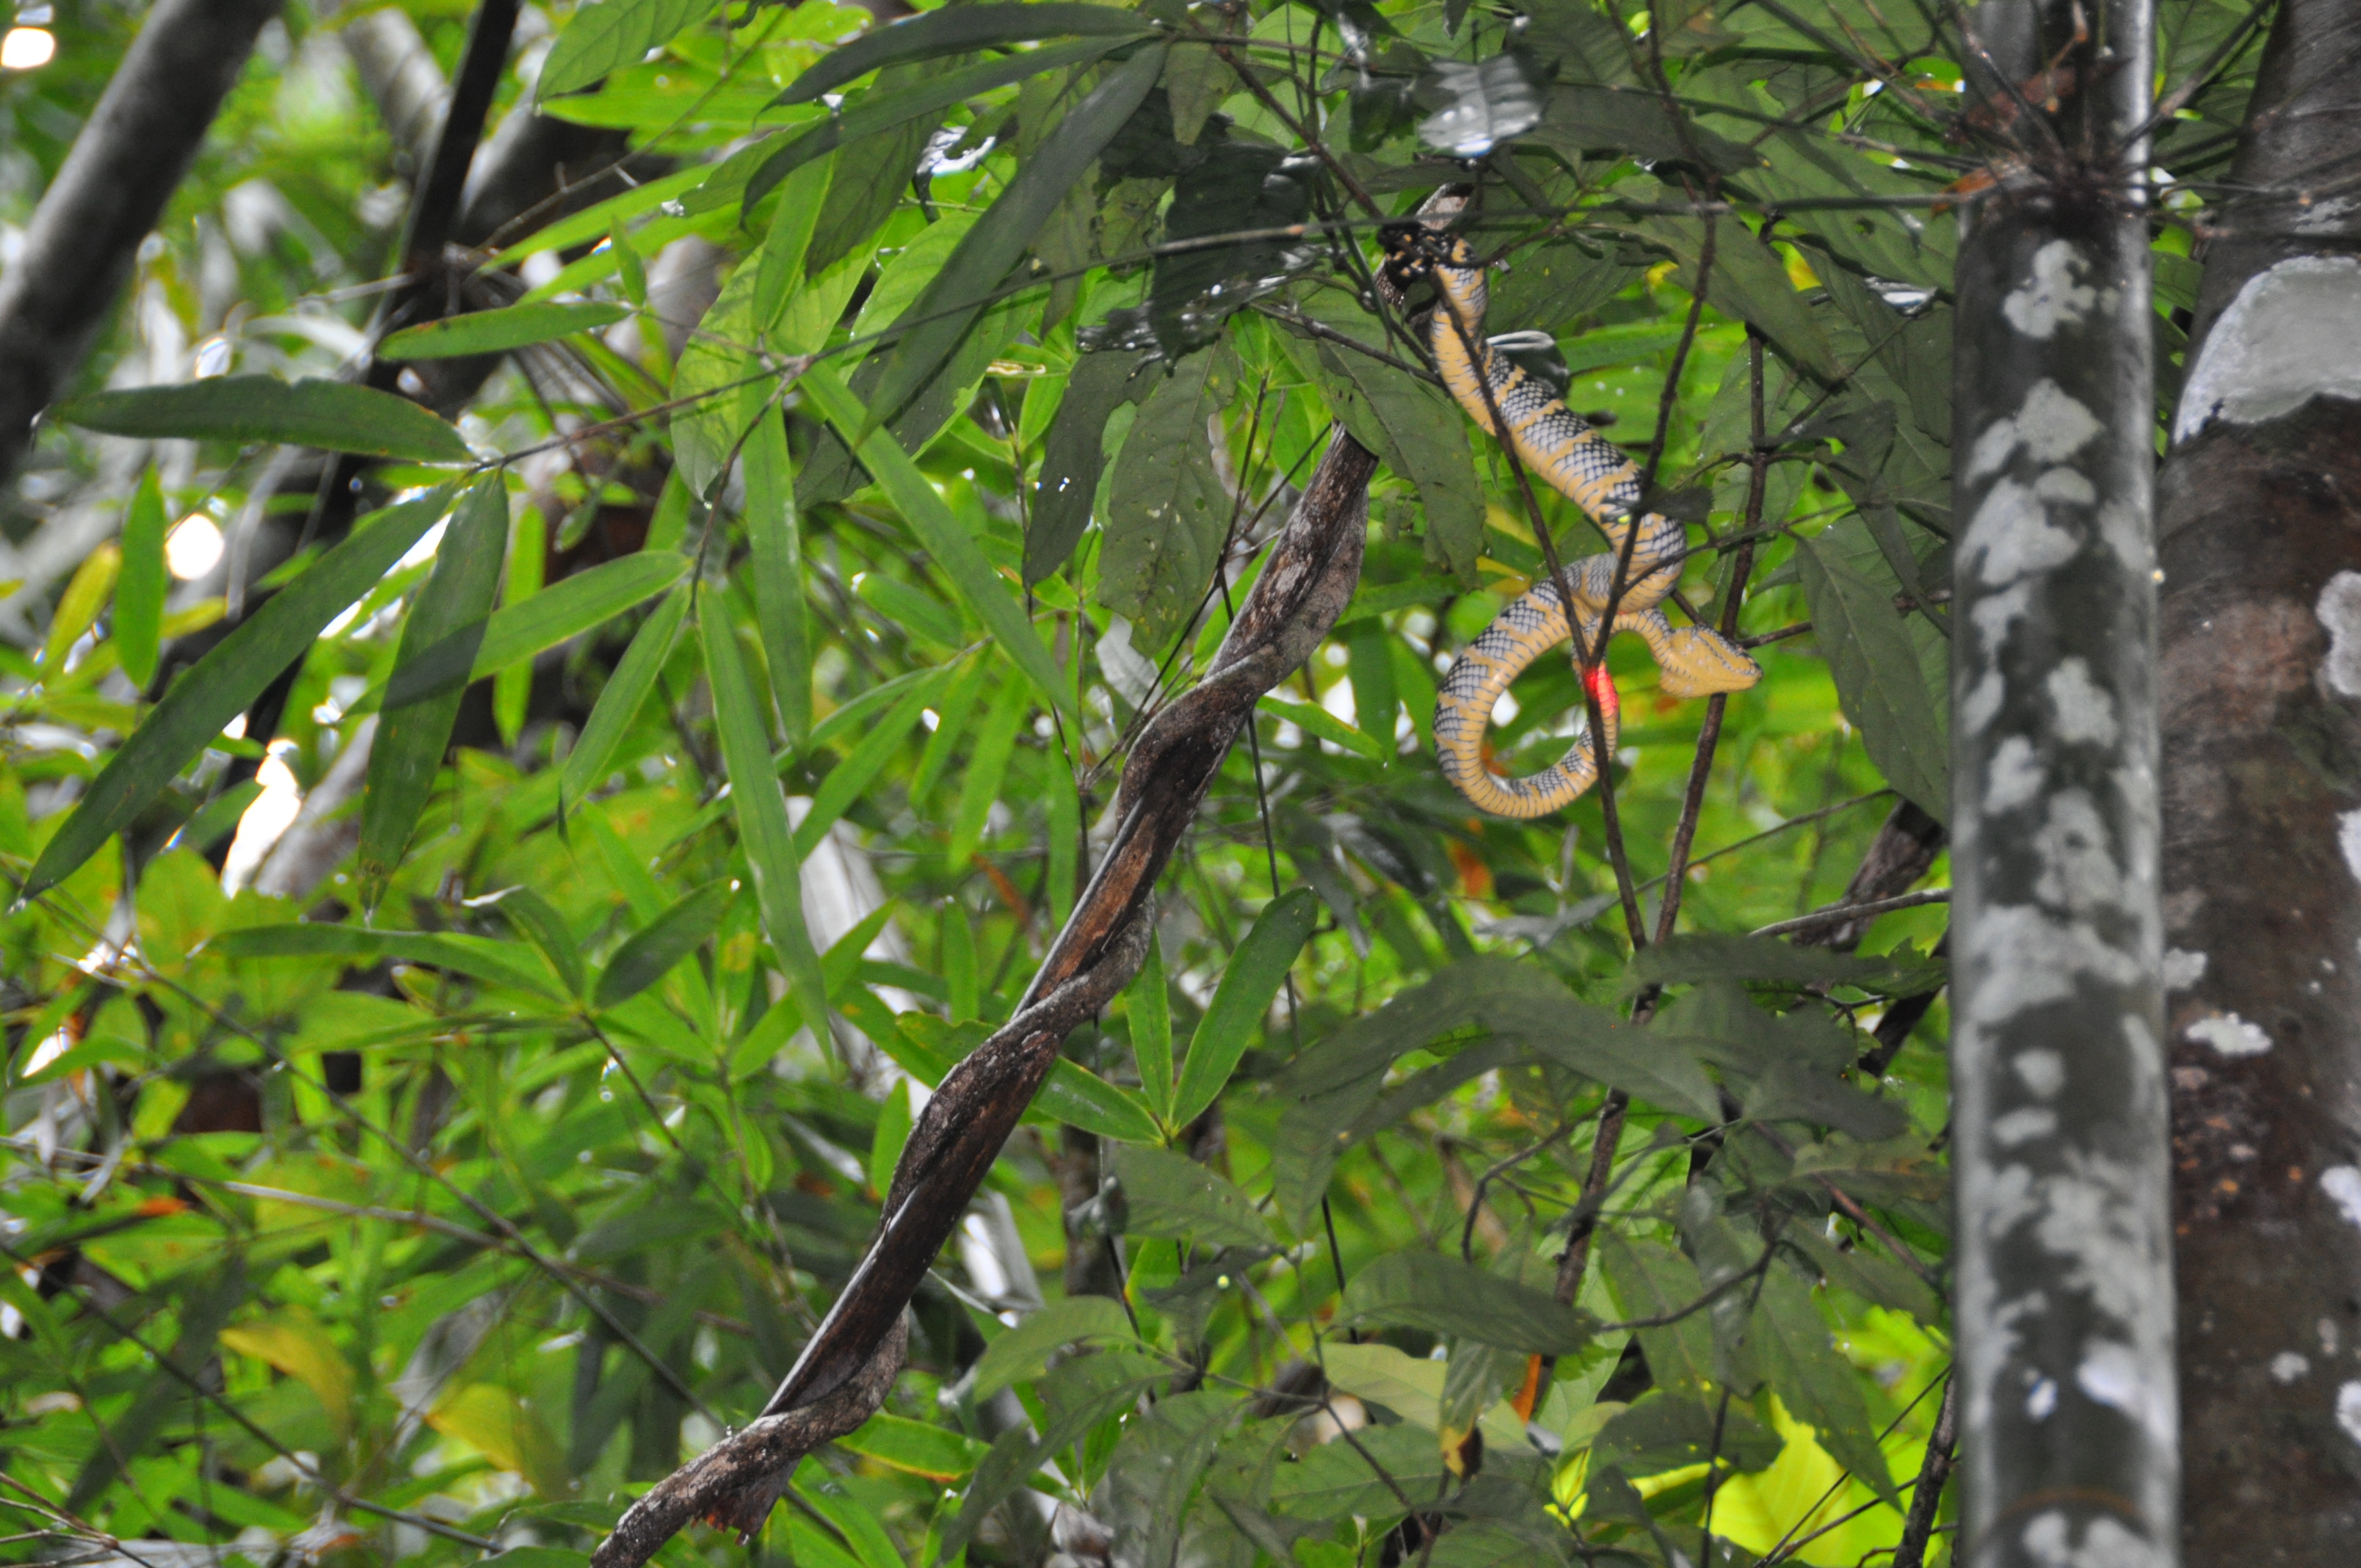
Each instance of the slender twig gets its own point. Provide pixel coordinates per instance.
(1570, 1262)
(1837, 912)
(1933, 1471)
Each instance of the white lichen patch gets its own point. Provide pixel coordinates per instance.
(2085, 710)
(2052, 297)
(2042, 1070)
(2339, 610)
(1982, 705)
(2343, 1185)
(2292, 334)
(2229, 1034)
(1996, 614)
(2107, 1543)
(2183, 968)
(2289, 1365)
(2348, 1410)
(2050, 425)
(2126, 529)
(2112, 1374)
(2024, 958)
(2016, 777)
(2348, 839)
(2079, 873)
(2024, 1124)
(2013, 533)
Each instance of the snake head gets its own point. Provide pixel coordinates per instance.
(1412, 251)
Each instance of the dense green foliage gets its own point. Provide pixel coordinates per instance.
(494, 1165)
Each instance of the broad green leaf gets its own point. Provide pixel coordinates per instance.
(1081, 1098)
(1167, 512)
(955, 554)
(1410, 1386)
(1768, 959)
(1073, 457)
(479, 958)
(721, 369)
(650, 954)
(775, 544)
(1077, 1395)
(332, 415)
(1414, 427)
(935, 324)
(1151, 1032)
(1747, 280)
(1581, 117)
(496, 332)
(202, 702)
(1651, 1280)
(1444, 1295)
(620, 700)
(1665, 1429)
(140, 590)
(1880, 672)
(582, 602)
(866, 184)
(913, 610)
(1022, 1353)
(883, 110)
(411, 737)
(538, 922)
(1255, 974)
(761, 807)
(606, 36)
(1321, 725)
(1382, 1475)
(957, 31)
(1167, 1194)
(915, 1448)
(294, 1343)
(77, 606)
(1818, 1386)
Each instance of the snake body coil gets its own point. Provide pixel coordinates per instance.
(1588, 469)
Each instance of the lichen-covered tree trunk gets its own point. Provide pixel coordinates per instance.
(2260, 539)
(2064, 1262)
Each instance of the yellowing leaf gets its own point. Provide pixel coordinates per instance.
(293, 1344)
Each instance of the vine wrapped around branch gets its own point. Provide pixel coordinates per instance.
(850, 1364)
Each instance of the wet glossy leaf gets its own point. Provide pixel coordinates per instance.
(1073, 456)
(650, 954)
(608, 36)
(496, 332)
(625, 693)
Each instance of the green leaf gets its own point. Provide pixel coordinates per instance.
(649, 955)
(332, 415)
(775, 544)
(604, 37)
(760, 807)
(913, 610)
(139, 588)
(956, 554)
(865, 185)
(620, 701)
(1023, 1353)
(1368, 1478)
(538, 922)
(1818, 1386)
(883, 110)
(1072, 457)
(849, 779)
(1081, 1098)
(1167, 512)
(1667, 1430)
(1414, 427)
(1579, 118)
(1151, 1032)
(412, 737)
(987, 766)
(227, 680)
(917, 1448)
(1410, 1386)
(581, 603)
(601, 218)
(486, 958)
(205, 1309)
(957, 30)
(779, 268)
(1168, 1194)
(1651, 1280)
(1077, 1396)
(1243, 999)
(77, 611)
(933, 325)
(1881, 673)
(496, 332)
(721, 369)
(1747, 280)
(1767, 958)
(1320, 724)
(1444, 1295)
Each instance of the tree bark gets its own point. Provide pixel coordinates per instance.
(2259, 522)
(86, 232)
(2068, 1423)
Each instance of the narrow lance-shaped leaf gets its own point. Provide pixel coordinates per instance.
(412, 739)
(760, 807)
(140, 590)
(882, 111)
(956, 30)
(620, 702)
(538, 922)
(491, 960)
(779, 268)
(649, 955)
(1151, 1032)
(849, 779)
(931, 328)
(582, 601)
(528, 562)
(958, 555)
(496, 332)
(1244, 997)
(78, 606)
(330, 415)
(774, 543)
(227, 680)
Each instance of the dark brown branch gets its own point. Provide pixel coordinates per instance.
(85, 235)
(850, 1362)
(1926, 1493)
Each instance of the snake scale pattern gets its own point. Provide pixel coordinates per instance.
(1588, 468)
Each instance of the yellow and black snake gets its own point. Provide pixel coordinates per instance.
(1585, 467)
